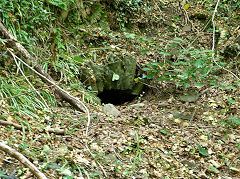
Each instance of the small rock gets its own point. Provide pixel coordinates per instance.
(110, 109)
(185, 124)
(157, 174)
(143, 171)
(94, 146)
(204, 143)
(202, 175)
(231, 155)
(138, 105)
(210, 151)
(218, 147)
(189, 97)
(177, 114)
(232, 138)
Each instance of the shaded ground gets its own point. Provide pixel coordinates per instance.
(160, 139)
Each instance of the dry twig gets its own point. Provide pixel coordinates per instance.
(30, 60)
(19, 127)
(18, 65)
(13, 153)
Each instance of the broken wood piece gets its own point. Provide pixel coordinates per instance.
(31, 61)
(14, 153)
(19, 127)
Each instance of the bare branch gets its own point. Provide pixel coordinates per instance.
(19, 127)
(13, 153)
(31, 61)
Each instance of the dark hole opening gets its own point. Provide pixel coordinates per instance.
(116, 97)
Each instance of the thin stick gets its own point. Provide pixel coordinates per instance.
(28, 80)
(59, 88)
(214, 27)
(20, 127)
(31, 61)
(14, 153)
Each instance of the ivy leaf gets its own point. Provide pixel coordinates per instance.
(236, 120)
(177, 39)
(202, 151)
(146, 69)
(115, 77)
(198, 84)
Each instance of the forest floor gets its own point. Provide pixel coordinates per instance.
(156, 136)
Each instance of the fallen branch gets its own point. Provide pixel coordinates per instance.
(86, 109)
(13, 153)
(31, 61)
(19, 127)
(18, 65)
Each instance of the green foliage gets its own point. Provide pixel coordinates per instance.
(192, 66)
(163, 131)
(58, 37)
(232, 121)
(98, 17)
(30, 14)
(27, 103)
(25, 19)
(233, 4)
(63, 4)
(202, 151)
(130, 36)
(127, 10)
(129, 5)
(212, 169)
(135, 148)
(238, 146)
(97, 11)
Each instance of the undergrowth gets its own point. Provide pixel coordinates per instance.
(40, 27)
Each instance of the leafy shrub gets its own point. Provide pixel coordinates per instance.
(30, 14)
(129, 5)
(192, 66)
(63, 4)
(25, 19)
